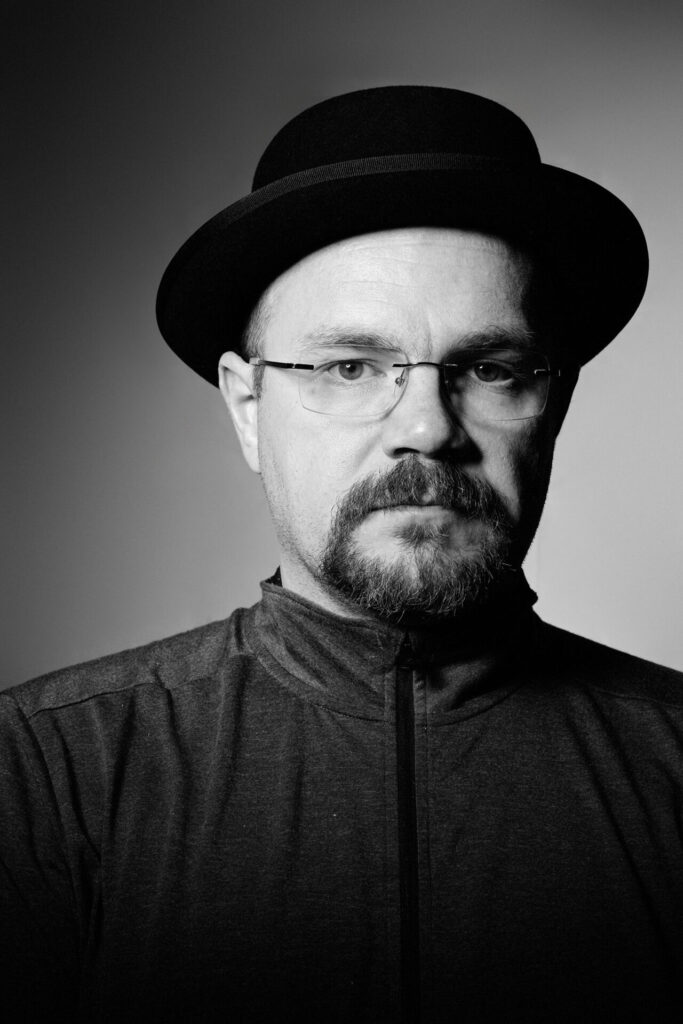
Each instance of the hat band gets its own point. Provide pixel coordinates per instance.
(391, 163)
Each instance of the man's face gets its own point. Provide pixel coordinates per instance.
(460, 500)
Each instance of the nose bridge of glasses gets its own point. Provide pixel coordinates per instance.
(404, 371)
(402, 378)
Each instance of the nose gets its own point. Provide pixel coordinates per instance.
(423, 421)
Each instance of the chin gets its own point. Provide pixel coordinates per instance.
(421, 575)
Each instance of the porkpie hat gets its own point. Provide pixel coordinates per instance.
(404, 156)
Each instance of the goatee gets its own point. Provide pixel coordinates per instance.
(432, 580)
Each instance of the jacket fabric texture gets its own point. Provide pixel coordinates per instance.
(290, 815)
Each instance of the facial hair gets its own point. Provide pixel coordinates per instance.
(432, 581)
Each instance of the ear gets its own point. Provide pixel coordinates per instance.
(235, 378)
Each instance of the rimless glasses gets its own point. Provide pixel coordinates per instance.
(489, 386)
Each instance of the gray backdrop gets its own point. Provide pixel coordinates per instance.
(128, 512)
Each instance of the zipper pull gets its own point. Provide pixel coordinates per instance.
(406, 657)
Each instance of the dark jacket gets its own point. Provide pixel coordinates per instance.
(293, 816)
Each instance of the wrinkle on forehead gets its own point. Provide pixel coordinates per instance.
(442, 249)
(405, 243)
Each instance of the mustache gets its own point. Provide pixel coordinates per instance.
(415, 482)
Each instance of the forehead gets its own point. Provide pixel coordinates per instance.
(424, 283)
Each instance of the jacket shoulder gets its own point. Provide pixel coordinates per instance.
(176, 660)
(604, 668)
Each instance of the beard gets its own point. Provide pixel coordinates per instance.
(431, 578)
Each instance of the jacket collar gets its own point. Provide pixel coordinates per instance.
(458, 667)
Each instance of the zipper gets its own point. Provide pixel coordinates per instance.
(407, 838)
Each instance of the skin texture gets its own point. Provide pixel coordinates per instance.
(425, 288)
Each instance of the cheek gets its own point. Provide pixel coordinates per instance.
(518, 464)
(307, 463)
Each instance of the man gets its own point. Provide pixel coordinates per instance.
(387, 792)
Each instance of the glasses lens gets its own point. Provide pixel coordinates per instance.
(363, 384)
(501, 385)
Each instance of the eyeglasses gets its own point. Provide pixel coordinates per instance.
(486, 386)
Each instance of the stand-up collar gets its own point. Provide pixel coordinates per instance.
(463, 664)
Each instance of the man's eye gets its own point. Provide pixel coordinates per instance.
(491, 373)
(350, 370)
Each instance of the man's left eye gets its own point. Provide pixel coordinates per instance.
(491, 373)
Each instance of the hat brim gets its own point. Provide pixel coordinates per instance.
(586, 238)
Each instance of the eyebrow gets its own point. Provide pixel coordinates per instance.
(345, 338)
(488, 338)
(497, 337)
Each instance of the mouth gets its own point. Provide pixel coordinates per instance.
(425, 502)
(418, 506)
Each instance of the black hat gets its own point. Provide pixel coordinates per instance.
(403, 156)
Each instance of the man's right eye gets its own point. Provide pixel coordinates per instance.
(351, 370)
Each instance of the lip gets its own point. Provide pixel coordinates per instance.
(417, 507)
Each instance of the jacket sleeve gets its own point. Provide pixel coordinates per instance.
(39, 940)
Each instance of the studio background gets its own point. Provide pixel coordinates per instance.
(128, 513)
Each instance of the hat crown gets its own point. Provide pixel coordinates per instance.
(395, 120)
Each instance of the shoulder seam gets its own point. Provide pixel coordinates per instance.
(79, 700)
(637, 697)
(150, 664)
